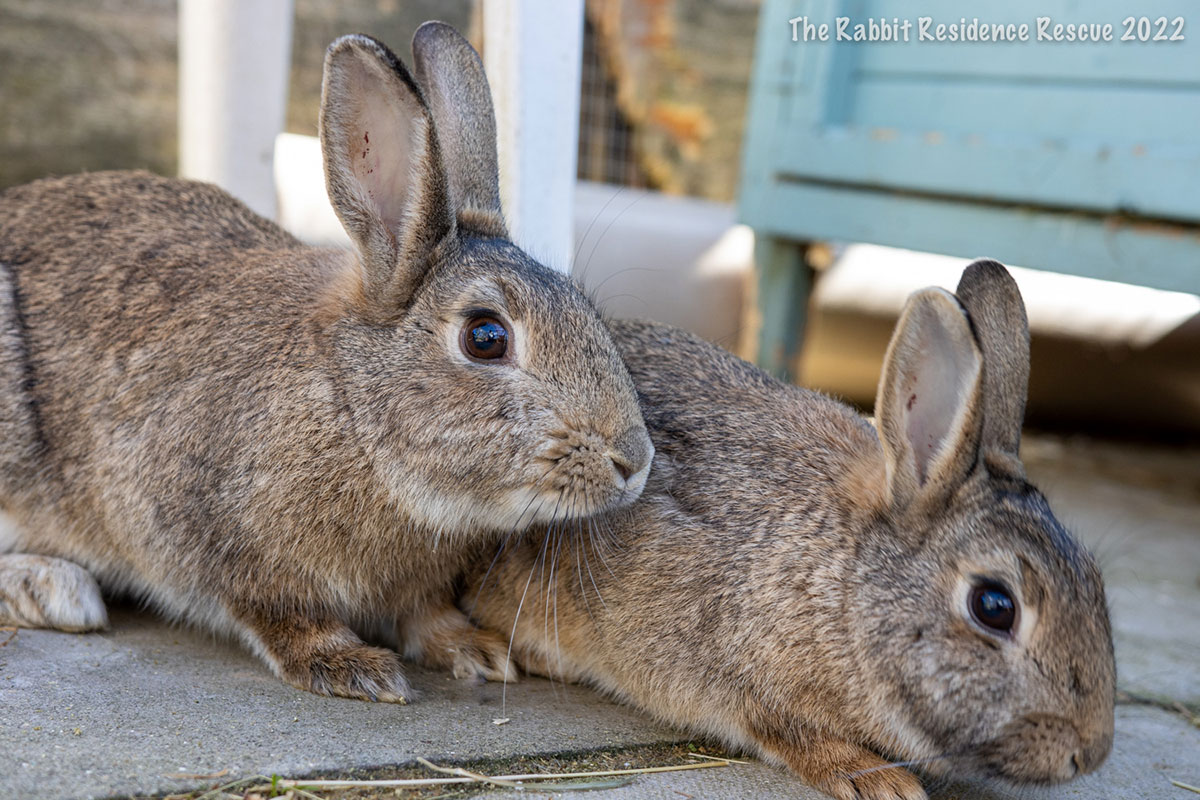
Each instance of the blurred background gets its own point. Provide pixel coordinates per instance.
(689, 162)
(668, 171)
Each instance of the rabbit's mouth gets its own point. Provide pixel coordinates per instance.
(634, 484)
(575, 477)
(586, 473)
(1040, 749)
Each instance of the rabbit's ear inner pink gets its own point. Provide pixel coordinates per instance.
(383, 168)
(928, 405)
(451, 76)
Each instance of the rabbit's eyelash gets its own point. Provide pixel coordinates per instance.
(483, 311)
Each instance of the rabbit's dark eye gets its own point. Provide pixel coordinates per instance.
(484, 338)
(993, 607)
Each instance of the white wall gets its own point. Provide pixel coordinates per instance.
(234, 60)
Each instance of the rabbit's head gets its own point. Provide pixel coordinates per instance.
(485, 387)
(981, 623)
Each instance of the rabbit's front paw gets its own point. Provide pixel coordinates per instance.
(44, 592)
(847, 771)
(882, 782)
(322, 655)
(361, 672)
(483, 654)
(444, 638)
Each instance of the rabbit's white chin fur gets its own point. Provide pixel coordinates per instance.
(516, 510)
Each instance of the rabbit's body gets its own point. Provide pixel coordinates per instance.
(288, 443)
(121, 471)
(780, 588)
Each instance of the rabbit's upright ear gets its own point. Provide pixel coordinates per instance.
(929, 401)
(383, 167)
(997, 313)
(452, 78)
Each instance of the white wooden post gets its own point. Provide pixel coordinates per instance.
(533, 53)
(234, 60)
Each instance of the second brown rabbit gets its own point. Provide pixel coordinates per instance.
(827, 594)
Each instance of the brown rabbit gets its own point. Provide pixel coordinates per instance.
(797, 585)
(282, 442)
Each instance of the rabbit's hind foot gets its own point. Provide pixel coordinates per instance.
(45, 592)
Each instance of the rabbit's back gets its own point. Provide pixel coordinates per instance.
(122, 285)
(140, 315)
(773, 452)
(114, 260)
(129, 211)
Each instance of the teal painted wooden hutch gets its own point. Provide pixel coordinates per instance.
(1077, 157)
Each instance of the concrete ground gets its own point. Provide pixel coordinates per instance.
(148, 708)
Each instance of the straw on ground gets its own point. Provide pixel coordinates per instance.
(465, 776)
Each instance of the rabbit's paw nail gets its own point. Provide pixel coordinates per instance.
(43, 592)
(876, 782)
(484, 654)
(362, 673)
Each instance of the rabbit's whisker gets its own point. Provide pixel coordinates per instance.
(519, 525)
(552, 601)
(604, 561)
(619, 273)
(571, 524)
(513, 635)
(550, 596)
(600, 238)
(591, 576)
(587, 232)
(587, 606)
(899, 765)
(581, 542)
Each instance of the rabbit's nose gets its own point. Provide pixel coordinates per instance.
(631, 452)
